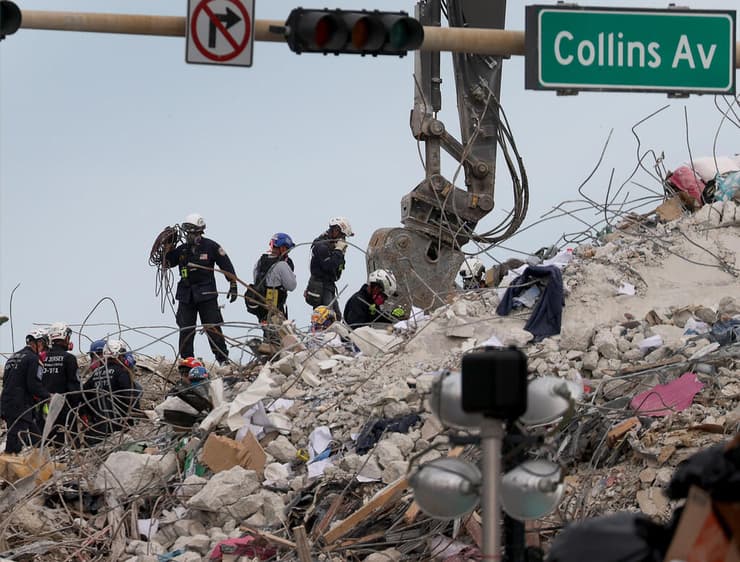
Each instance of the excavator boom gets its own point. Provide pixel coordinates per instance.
(438, 217)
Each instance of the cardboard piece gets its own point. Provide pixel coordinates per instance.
(221, 453)
(15, 467)
(699, 536)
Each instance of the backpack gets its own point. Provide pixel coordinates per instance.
(258, 296)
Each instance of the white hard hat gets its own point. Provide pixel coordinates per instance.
(385, 279)
(343, 225)
(59, 331)
(194, 221)
(114, 348)
(38, 334)
(472, 268)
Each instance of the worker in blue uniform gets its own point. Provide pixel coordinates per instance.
(197, 291)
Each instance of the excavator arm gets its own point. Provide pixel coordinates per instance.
(438, 217)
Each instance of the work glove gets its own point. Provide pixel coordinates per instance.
(233, 293)
(373, 309)
(45, 409)
(340, 245)
(398, 312)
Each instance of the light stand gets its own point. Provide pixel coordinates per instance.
(492, 436)
(490, 391)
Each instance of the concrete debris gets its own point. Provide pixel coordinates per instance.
(126, 474)
(275, 464)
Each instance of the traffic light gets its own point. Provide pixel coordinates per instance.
(359, 32)
(10, 18)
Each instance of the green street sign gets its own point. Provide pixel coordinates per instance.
(615, 49)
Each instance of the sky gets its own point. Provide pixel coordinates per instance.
(106, 139)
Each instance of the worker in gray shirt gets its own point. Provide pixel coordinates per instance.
(273, 279)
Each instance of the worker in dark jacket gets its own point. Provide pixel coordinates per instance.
(197, 292)
(327, 264)
(363, 308)
(60, 376)
(22, 389)
(109, 394)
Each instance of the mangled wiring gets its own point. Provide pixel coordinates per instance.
(165, 279)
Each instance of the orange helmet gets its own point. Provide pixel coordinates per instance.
(188, 363)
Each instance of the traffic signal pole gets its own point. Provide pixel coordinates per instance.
(460, 40)
(444, 39)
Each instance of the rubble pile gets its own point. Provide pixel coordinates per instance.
(306, 456)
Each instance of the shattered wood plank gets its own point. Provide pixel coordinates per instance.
(388, 494)
(269, 537)
(532, 533)
(302, 545)
(621, 429)
(328, 517)
(648, 366)
(413, 511)
(372, 537)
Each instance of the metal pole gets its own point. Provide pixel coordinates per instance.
(464, 40)
(492, 436)
(457, 40)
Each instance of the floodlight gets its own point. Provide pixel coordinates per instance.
(446, 402)
(548, 398)
(531, 490)
(446, 488)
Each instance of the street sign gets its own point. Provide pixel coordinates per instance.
(220, 32)
(613, 49)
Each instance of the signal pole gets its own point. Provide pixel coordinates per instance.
(462, 40)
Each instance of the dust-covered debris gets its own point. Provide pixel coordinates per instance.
(335, 428)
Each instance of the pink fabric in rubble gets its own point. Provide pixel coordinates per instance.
(664, 399)
(685, 179)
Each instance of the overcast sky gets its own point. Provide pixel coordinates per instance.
(106, 139)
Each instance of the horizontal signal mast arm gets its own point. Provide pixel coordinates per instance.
(462, 40)
(468, 40)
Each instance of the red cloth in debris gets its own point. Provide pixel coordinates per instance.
(244, 547)
(664, 399)
(685, 179)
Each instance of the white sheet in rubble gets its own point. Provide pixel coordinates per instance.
(147, 527)
(626, 289)
(317, 468)
(280, 404)
(528, 297)
(560, 260)
(493, 341)
(318, 441)
(416, 317)
(651, 343)
(249, 397)
(216, 391)
(214, 417)
(174, 403)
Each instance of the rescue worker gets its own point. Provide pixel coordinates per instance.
(473, 274)
(185, 366)
(197, 291)
(321, 318)
(363, 308)
(327, 264)
(109, 394)
(21, 383)
(274, 277)
(60, 376)
(96, 354)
